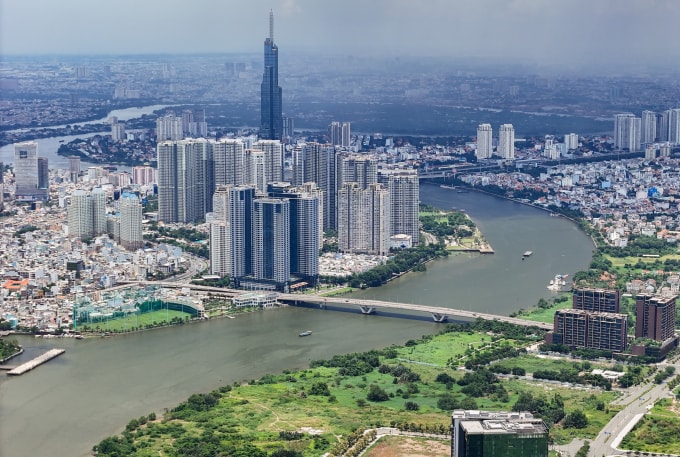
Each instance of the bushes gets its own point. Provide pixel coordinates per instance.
(576, 419)
(375, 393)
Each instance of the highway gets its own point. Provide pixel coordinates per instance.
(640, 401)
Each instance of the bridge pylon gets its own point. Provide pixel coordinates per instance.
(440, 317)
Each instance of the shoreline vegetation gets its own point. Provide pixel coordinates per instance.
(327, 407)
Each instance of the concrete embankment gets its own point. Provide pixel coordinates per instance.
(31, 364)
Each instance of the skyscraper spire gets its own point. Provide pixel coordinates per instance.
(271, 25)
(271, 125)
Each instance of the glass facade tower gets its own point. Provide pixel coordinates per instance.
(271, 114)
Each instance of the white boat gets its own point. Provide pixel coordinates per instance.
(305, 333)
(558, 282)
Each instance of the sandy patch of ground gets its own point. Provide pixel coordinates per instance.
(404, 446)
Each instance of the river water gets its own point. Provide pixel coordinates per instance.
(47, 147)
(65, 406)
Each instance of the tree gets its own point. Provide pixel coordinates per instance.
(576, 419)
(375, 393)
(319, 388)
(411, 406)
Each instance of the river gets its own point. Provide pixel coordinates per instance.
(65, 406)
(47, 147)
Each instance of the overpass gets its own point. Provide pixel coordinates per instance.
(438, 313)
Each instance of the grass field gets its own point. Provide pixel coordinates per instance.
(545, 315)
(136, 320)
(619, 262)
(658, 431)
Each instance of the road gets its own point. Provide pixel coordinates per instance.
(640, 399)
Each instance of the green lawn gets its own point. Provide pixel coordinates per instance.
(545, 315)
(659, 431)
(135, 320)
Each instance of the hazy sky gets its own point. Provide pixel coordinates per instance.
(554, 31)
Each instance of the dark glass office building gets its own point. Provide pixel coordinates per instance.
(271, 114)
(498, 434)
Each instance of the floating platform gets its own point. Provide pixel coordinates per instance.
(31, 364)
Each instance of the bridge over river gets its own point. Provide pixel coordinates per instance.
(439, 313)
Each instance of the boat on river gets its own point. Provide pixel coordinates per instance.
(305, 333)
(558, 282)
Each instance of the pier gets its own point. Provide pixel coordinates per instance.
(31, 364)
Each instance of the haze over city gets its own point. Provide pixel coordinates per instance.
(569, 34)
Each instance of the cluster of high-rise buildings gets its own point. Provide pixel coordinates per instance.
(506, 141)
(266, 231)
(328, 189)
(190, 123)
(595, 321)
(631, 132)
(88, 217)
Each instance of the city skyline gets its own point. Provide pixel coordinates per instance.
(573, 34)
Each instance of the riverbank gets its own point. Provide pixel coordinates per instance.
(411, 387)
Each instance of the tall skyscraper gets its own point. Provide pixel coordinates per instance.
(674, 125)
(231, 232)
(335, 133)
(359, 168)
(79, 215)
(229, 162)
(648, 127)
(169, 127)
(571, 141)
(271, 242)
(183, 187)
(131, 222)
(484, 141)
(627, 132)
(364, 219)
(506, 141)
(304, 229)
(86, 213)
(404, 191)
(271, 114)
(662, 125)
(26, 173)
(43, 178)
(74, 168)
(319, 162)
(273, 159)
(118, 131)
(345, 134)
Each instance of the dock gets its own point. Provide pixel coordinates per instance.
(31, 364)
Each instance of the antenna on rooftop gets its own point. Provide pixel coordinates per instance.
(271, 25)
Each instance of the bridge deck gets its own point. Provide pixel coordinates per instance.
(434, 310)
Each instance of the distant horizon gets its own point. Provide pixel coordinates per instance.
(571, 34)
